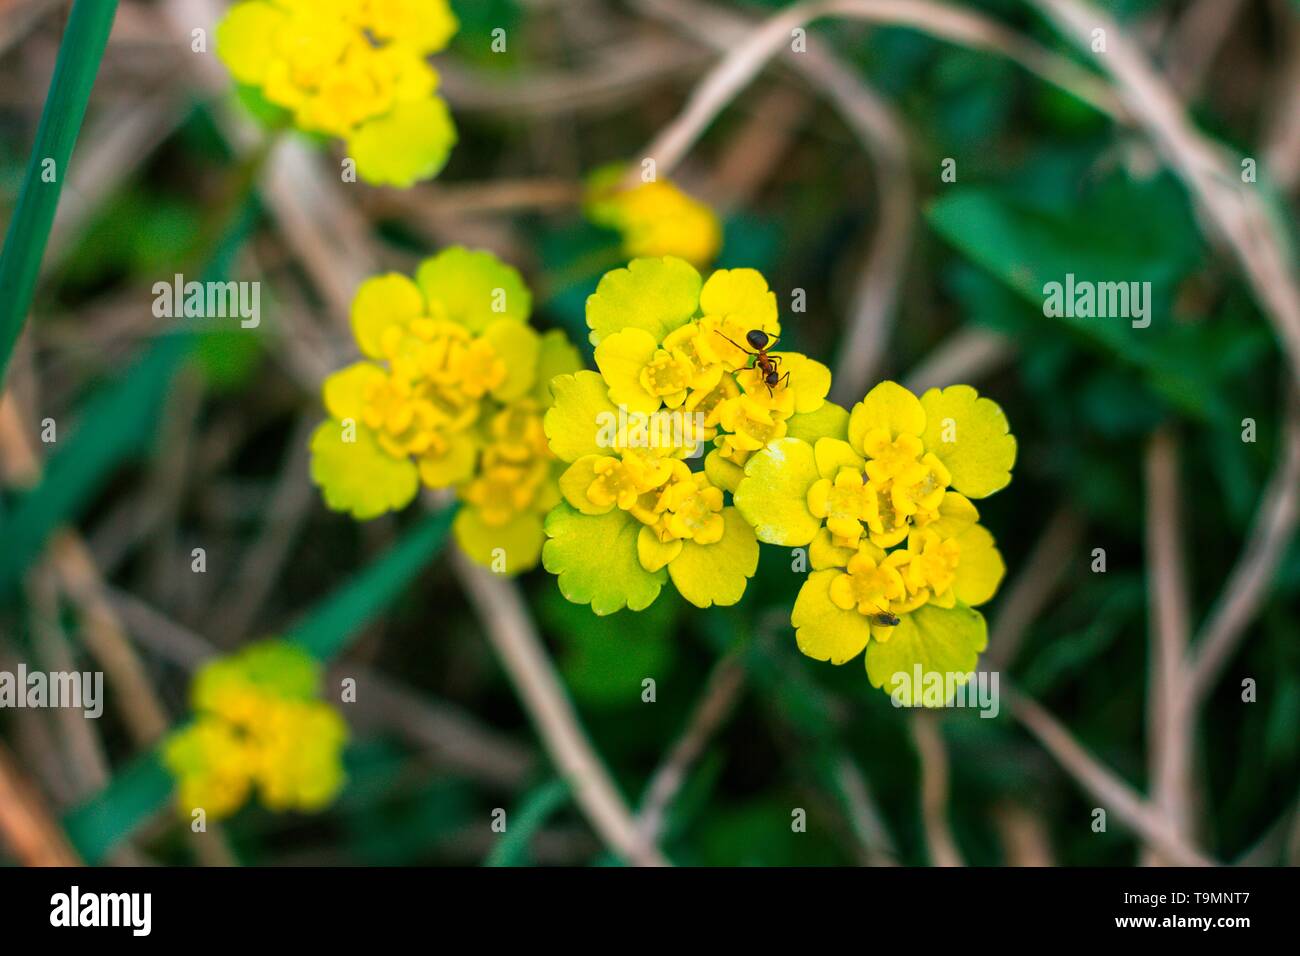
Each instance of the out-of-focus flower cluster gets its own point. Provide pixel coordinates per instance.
(352, 69)
(259, 726)
(451, 395)
(653, 218)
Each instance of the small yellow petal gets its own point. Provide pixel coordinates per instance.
(380, 303)
(888, 406)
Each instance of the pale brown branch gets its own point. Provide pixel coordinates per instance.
(874, 842)
(518, 646)
(1034, 586)
(715, 705)
(721, 85)
(31, 833)
(1235, 210)
(1112, 792)
(934, 790)
(1248, 586)
(965, 356)
(1026, 840)
(1169, 723)
(873, 121)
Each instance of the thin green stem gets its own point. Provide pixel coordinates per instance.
(65, 107)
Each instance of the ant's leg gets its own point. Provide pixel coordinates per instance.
(736, 344)
(775, 360)
(784, 380)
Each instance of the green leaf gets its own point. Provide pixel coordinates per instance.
(65, 107)
(538, 805)
(604, 659)
(1132, 233)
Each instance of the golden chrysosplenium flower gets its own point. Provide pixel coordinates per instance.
(258, 724)
(898, 560)
(654, 218)
(451, 394)
(673, 377)
(352, 69)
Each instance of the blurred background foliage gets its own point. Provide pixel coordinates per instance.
(172, 440)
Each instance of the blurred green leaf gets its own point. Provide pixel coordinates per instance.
(80, 51)
(1131, 232)
(605, 659)
(538, 805)
(131, 798)
(326, 630)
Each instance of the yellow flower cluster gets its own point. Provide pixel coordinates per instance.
(258, 724)
(697, 359)
(674, 375)
(653, 218)
(900, 478)
(353, 69)
(451, 394)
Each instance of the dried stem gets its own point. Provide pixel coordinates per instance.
(30, 832)
(1247, 587)
(1113, 793)
(1038, 580)
(518, 646)
(715, 705)
(934, 790)
(1212, 175)
(1169, 724)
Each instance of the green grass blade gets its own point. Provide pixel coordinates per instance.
(325, 631)
(538, 805)
(131, 798)
(65, 107)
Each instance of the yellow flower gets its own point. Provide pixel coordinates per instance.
(353, 69)
(900, 478)
(441, 352)
(258, 725)
(634, 514)
(654, 218)
(667, 339)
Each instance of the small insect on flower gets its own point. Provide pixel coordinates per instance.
(761, 342)
(884, 618)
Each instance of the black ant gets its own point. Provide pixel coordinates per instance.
(760, 341)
